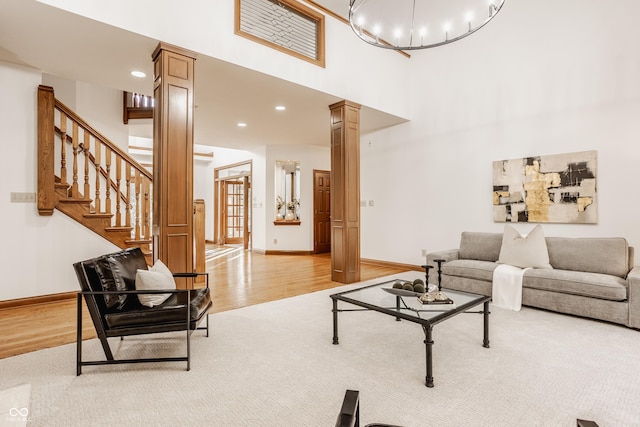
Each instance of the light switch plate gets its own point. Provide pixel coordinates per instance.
(23, 197)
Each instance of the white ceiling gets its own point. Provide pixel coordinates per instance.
(73, 47)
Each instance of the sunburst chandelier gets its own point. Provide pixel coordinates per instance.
(419, 24)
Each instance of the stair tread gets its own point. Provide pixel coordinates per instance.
(70, 200)
(98, 215)
(122, 228)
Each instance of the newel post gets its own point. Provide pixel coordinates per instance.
(46, 154)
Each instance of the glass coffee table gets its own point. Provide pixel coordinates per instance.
(404, 305)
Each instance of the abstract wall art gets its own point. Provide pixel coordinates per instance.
(559, 188)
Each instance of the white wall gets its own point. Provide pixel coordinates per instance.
(211, 32)
(543, 78)
(37, 252)
(259, 193)
(99, 106)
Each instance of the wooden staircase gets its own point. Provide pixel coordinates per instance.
(89, 178)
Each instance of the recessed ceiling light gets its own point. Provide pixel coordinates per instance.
(138, 73)
(242, 125)
(280, 107)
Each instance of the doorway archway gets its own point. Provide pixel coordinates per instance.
(232, 207)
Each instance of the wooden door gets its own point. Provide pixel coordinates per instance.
(234, 223)
(321, 211)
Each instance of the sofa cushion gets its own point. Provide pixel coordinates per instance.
(173, 310)
(590, 254)
(595, 285)
(469, 268)
(528, 251)
(480, 246)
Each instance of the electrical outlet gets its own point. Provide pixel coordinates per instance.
(275, 241)
(370, 203)
(424, 252)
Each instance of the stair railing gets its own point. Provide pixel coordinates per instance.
(77, 164)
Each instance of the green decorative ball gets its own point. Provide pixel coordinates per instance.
(418, 287)
(418, 281)
(397, 284)
(408, 287)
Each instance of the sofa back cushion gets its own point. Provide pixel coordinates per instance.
(606, 255)
(480, 246)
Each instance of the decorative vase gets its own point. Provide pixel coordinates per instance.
(279, 217)
(289, 216)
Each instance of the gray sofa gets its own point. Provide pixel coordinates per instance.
(591, 277)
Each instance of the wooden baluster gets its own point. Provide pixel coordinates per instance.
(118, 192)
(85, 147)
(98, 157)
(107, 199)
(74, 144)
(127, 213)
(63, 154)
(138, 207)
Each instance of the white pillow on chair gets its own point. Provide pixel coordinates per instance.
(158, 277)
(528, 251)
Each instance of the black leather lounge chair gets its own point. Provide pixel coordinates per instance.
(108, 288)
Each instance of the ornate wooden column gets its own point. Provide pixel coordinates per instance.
(345, 192)
(173, 158)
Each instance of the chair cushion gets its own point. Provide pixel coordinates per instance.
(117, 272)
(595, 285)
(173, 310)
(112, 301)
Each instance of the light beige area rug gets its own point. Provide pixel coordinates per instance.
(274, 365)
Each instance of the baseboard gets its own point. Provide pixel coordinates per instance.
(40, 299)
(391, 264)
(362, 260)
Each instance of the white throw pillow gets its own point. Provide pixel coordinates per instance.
(158, 277)
(159, 267)
(525, 251)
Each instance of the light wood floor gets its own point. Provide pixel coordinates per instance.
(237, 278)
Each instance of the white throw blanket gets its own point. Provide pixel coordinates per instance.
(507, 287)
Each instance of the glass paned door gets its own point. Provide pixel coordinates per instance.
(234, 223)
